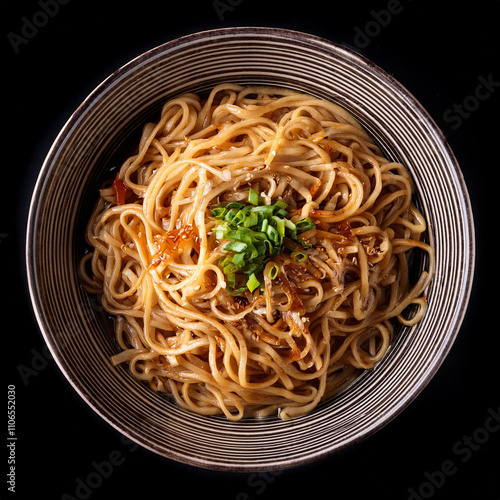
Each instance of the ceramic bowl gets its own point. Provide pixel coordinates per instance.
(97, 136)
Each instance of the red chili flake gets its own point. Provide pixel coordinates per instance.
(120, 189)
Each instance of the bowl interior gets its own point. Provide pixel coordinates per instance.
(98, 136)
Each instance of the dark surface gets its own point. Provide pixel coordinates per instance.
(445, 445)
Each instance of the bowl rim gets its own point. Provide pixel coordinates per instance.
(271, 33)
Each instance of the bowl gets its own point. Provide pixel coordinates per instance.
(97, 136)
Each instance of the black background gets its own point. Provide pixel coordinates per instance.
(446, 53)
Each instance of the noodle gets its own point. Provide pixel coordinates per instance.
(254, 252)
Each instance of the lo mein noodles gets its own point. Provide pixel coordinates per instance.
(254, 252)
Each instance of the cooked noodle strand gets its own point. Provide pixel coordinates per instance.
(319, 309)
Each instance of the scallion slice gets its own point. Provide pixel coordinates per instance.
(253, 197)
(235, 246)
(299, 256)
(253, 282)
(255, 234)
(305, 224)
(272, 270)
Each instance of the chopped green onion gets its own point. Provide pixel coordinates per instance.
(235, 246)
(253, 197)
(273, 234)
(235, 204)
(272, 270)
(265, 210)
(253, 252)
(224, 260)
(279, 224)
(230, 268)
(299, 256)
(231, 280)
(305, 224)
(303, 243)
(255, 267)
(230, 214)
(219, 233)
(218, 212)
(253, 282)
(261, 247)
(239, 260)
(251, 220)
(256, 233)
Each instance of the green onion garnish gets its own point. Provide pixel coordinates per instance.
(272, 270)
(256, 233)
(235, 246)
(253, 282)
(299, 256)
(305, 224)
(253, 197)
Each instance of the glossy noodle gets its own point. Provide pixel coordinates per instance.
(255, 252)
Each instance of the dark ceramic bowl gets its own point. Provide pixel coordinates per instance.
(96, 137)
